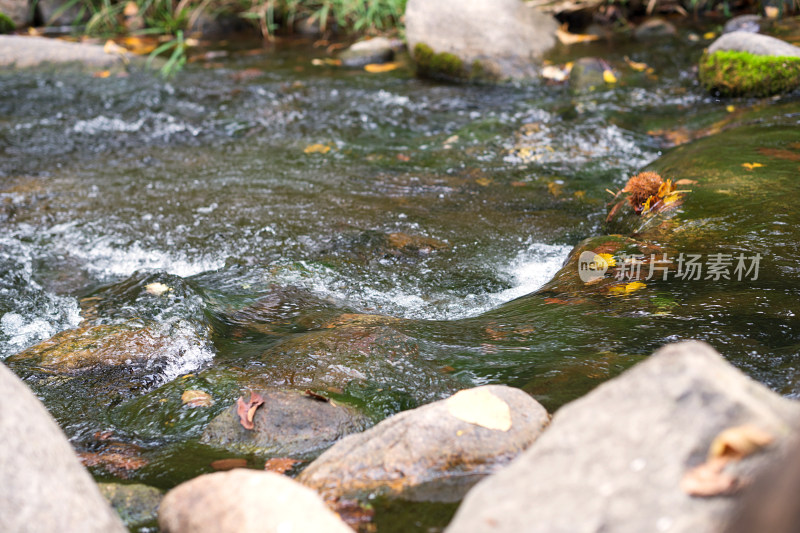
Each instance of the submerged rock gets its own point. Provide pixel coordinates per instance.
(136, 504)
(362, 53)
(92, 346)
(246, 501)
(741, 63)
(615, 459)
(44, 488)
(289, 423)
(478, 39)
(654, 28)
(435, 452)
(588, 74)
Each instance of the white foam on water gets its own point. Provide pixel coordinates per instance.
(528, 271)
(186, 352)
(107, 258)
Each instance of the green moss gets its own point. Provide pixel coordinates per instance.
(744, 74)
(444, 65)
(6, 24)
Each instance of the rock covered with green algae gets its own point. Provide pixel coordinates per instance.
(136, 504)
(749, 64)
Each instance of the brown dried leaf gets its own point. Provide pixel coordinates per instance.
(280, 465)
(228, 464)
(738, 442)
(314, 396)
(709, 479)
(247, 411)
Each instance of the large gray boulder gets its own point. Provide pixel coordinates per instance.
(43, 486)
(24, 51)
(613, 460)
(435, 452)
(493, 39)
(246, 501)
(753, 43)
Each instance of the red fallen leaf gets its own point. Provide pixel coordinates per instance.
(403, 157)
(118, 459)
(103, 435)
(280, 465)
(777, 153)
(228, 464)
(556, 301)
(247, 411)
(314, 396)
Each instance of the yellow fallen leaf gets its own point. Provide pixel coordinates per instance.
(381, 67)
(772, 12)
(483, 182)
(566, 37)
(325, 62)
(480, 407)
(156, 289)
(627, 288)
(101, 74)
(671, 198)
(709, 35)
(140, 46)
(607, 258)
(738, 442)
(609, 77)
(197, 398)
(113, 48)
(638, 67)
(317, 149)
(751, 166)
(730, 108)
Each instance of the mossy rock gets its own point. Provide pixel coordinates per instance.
(137, 505)
(447, 66)
(6, 24)
(734, 73)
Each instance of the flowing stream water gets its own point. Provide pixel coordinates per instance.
(438, 210)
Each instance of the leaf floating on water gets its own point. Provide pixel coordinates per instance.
(317, 149)
(778, 153)
(197, 398)
(738, 442)
(709, 479)
(376, 68)
(751, 166)
(101, 74)
(638, 67)
(314, 396)
(565, 37)
(156, 289)
(247, 410)
(628, 288)
(609, 77)
(322, 62)
(484, 182)
(280, 465)
(480, 407)
(228, 464)
(555, 73)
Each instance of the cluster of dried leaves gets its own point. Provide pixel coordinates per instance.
(649, 193)
(731, 445)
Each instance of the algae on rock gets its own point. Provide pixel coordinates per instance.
(734, 73)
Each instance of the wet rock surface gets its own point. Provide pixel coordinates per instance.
(44, 486)
(136, 504)
(289, 423)
(245, 501)
(435, 452)
(362, 53)
(615, 459)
